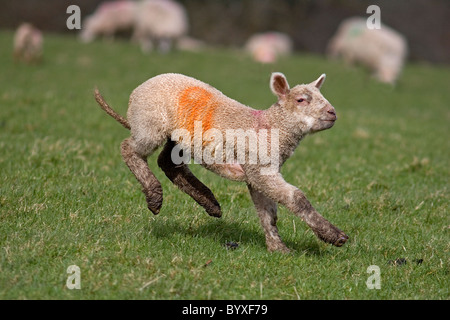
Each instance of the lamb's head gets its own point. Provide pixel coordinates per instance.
(305, 106)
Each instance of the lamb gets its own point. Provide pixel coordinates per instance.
(160, 21)
(268, 47)
(108, 19)
(28, 43)
(171, 108)
(383, 50)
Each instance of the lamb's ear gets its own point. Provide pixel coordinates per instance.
(279, 85)
(319, 82)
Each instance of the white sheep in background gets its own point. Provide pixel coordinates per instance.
(108, 19)
(187, 43)
(28, 43)
(383, 50)
(268, 47)
(160, 21)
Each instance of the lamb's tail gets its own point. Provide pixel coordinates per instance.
(101, 101)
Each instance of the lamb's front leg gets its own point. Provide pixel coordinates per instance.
(323, 229)
(267, 212)
(277, 189)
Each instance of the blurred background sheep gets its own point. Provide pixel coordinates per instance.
(28, 44)
(151, 22)
(269, 46)
(109, 19)
(187, 43)
(160, 23)
(383, 50)
(310, 24)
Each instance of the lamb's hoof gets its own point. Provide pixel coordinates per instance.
(342, 239)
(154, 201)
(214, 211)
(153, 210)
(154, 206)
(332, 235)
(279, 246)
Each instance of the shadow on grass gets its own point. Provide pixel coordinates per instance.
(223, 231)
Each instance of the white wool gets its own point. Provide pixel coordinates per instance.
(309, 122)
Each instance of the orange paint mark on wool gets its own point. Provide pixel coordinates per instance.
(196, 104)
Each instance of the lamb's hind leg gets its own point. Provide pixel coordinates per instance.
(183, 178)
(267, 212)
(137, 163)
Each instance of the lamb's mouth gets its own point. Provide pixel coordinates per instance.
(327, 123)
(328, 120)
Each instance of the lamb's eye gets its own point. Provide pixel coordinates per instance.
(300, 100)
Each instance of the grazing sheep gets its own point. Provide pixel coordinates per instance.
(268, 47)
(160, 21)
(187, 43)
(108, 19)
(383, 50)
(171, 108)
(28, 43)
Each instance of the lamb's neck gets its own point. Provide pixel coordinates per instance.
(290, 133)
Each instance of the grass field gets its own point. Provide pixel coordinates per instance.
(66, 198)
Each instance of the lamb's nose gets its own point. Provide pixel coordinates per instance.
(332, 112)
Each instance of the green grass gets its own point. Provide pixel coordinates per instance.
(66, 198)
